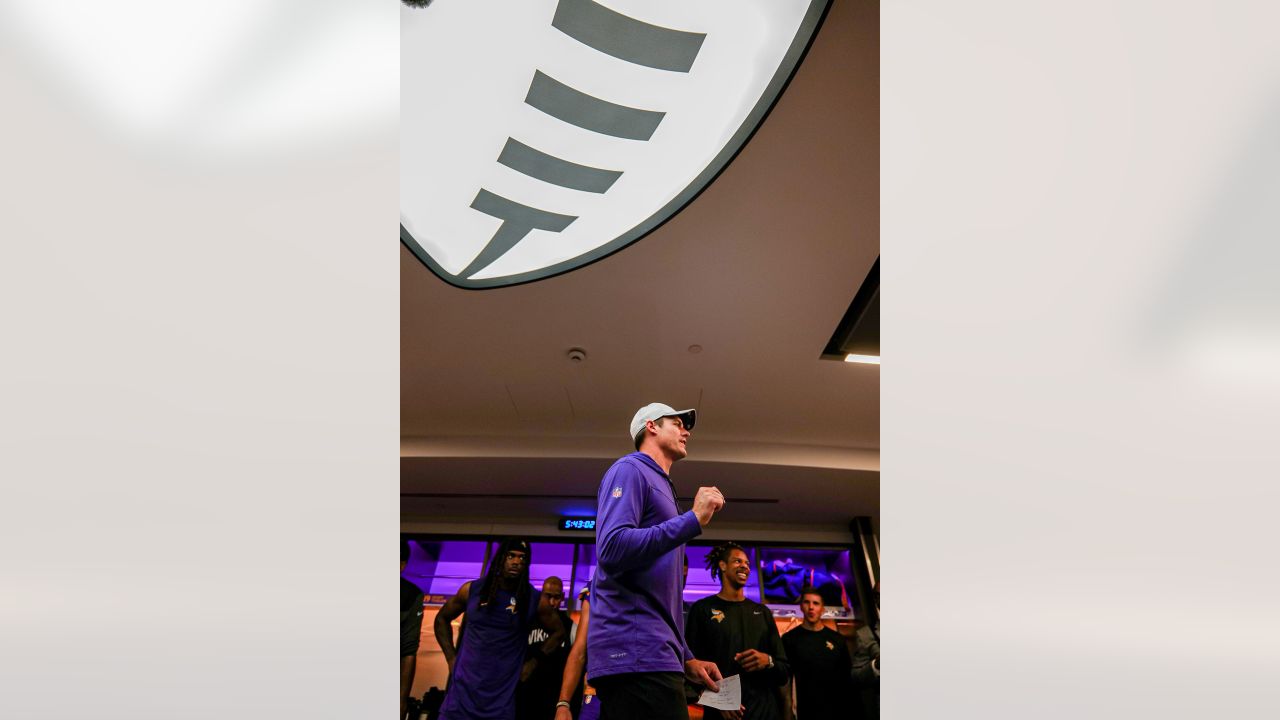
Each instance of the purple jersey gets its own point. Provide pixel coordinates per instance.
(636, 619)
(487, 668)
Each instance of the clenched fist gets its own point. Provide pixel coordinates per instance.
(706, 503)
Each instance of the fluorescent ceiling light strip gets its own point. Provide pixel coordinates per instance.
(868, 359)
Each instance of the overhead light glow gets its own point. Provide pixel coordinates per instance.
(868, 359)
(538, 136)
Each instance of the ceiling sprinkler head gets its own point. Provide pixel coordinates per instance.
(577, 354)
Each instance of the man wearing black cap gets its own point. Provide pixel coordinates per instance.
(500, 610)
(637, 658)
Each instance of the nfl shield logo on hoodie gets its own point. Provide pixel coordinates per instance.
(541, 135)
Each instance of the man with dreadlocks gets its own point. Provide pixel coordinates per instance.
(500, 610)
(637, 659)
(740, 637)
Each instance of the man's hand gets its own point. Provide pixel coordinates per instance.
(733, 714)
(562, 713)
(527, 670)
(702, 672)
(752, 660)
(706, 503)
(451, 661)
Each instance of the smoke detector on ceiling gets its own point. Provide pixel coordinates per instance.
(577, 355)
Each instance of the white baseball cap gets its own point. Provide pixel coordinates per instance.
(653, 411)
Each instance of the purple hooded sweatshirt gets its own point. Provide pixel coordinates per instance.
(637, 623)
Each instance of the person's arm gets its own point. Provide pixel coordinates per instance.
(410, 637)
(622, 543)
(408, 664)
(781, 671)
(786, 701)
(549, 619)
(574, 666)
(873, 647)
(455, 606)
(772, 661)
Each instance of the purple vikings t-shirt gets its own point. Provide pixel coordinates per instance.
(487, 667)
(636, 619)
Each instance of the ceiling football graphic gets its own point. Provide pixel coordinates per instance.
(541, 135)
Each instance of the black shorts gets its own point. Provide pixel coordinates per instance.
(642, 696)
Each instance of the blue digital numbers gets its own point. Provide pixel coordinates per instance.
(577, 523)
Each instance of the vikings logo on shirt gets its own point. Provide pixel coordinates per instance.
(511, 606)
(542, 135)
(717, 615)
(830, 646)
(617, 492)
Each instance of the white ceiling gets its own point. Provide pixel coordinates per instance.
(758, 271)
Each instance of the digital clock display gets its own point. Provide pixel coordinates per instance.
(577, 523)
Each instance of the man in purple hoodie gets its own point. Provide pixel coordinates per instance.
(637, 658)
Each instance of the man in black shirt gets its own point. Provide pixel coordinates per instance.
(540, 677)
(820, 662)
(410, 629)
(740, 637)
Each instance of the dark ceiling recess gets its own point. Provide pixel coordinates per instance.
(859, 330)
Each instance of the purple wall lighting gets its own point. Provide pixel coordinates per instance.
(440, 568)
(786, 570)
(551, 559)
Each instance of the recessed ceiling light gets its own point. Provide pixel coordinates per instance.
(539, 136)
(868, 359)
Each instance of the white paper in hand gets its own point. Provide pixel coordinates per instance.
(729, 697)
